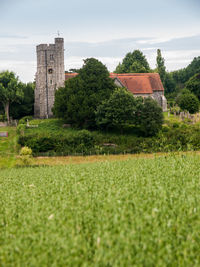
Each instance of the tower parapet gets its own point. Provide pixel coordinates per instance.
(50, 76)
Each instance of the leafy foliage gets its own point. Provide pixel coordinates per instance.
(194, 85)
(183, 75)
(118, 111)
(24, 107)
(78, 100)
(161, 66)
(134, 62)
(188, 101)
(10, 90)
(150, 117)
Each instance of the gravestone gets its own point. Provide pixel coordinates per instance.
(3, 134)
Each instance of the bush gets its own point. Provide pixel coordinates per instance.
(24, 119)
(118, 111)
(78, 142)
(3, 118)
(25, 155)
(150, 117)
(25, 151)
(188, 102)
(21, 129)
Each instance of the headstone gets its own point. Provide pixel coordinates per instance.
(3, 134)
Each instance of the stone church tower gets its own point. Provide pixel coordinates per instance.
(50, 76)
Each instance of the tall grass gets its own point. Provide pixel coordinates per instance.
(142, 212)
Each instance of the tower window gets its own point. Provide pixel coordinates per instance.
(51, 57)
(50, 71)
(50, 81)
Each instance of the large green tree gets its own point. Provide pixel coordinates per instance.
(194, 85)
(150, 117)
(10, 90)
(26, 106)
(160, 64)
(134, 62)
(78, 100)
(118, 111)
(188, 101)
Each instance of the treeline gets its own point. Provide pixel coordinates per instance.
(174, 82)
(16, 98)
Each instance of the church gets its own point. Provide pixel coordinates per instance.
(51, 75)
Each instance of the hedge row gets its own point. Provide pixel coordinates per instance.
(176, 138)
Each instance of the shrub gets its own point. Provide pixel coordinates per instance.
(150, 117)
(25, 151)
(3, 118)
(21, 129)
(24, 119)
(25, 155)
(77, 142)
(189, 102)
(117, 111)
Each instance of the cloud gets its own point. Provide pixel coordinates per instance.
(12, 36)
(178, 53)
(24, 69)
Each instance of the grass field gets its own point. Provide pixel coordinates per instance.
(137, 212)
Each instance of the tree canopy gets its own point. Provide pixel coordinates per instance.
(160, 64)
(188, 101)
(117, 111)
(10, 90)
(78, 100)
(134, 62)
(194, 85)
(24, 107)
(150, 117)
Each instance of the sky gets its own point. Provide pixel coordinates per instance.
(104, 29)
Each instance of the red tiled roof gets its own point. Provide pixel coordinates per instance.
(136, 83)
(70, 75)
(140, 83)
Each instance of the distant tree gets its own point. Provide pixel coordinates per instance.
(169, 84)
(188, 101)
(134, 62)
(24, 107)
(78, 100)
(118, 111)
(183, 75)
(194, 85)
(161, 66)
(10, 90)
(150, 117)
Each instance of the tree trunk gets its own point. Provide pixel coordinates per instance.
(7, 111)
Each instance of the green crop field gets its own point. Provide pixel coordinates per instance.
(138, 212)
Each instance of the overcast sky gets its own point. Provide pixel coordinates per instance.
(105, 29)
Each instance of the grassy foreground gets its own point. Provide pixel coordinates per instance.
(142, 212)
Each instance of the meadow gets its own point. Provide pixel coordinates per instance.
(136, 212)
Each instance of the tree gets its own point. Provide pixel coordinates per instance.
(10, 90)
(161, 66)
(25, 107)
(188, 101)
(169, 84)
(117, 111)
(78, 100)
(150, 117)
(134, 62)
(194, 85)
